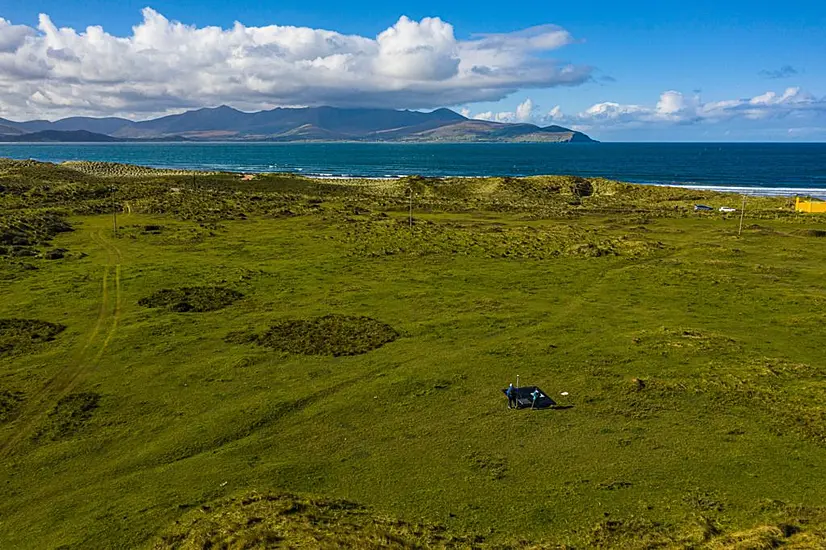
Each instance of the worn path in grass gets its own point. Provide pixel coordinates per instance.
(85, 358)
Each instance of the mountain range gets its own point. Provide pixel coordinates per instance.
(289, 124)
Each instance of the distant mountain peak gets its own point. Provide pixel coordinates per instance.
(444, 112)
(222, 109)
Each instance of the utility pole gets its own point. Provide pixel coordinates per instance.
(114, 214)
(742, 215)
(410, 214)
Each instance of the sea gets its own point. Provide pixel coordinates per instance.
(753, 168)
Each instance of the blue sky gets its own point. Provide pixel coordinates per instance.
(721, 58)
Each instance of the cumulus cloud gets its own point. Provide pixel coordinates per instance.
(506, 116)
(525, 112)
(166, 66)
(786, 71)
(675, 108)
(12, 36)
(793, 108)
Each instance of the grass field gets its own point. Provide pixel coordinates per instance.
(334, 378)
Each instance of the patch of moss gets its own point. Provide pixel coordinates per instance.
(334, 335)
(494, 467)
(196, 299)
(69, 416)
(22, 335)
(10, 402)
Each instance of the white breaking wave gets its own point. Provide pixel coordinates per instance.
(818, 192)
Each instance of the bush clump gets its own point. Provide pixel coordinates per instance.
(55, 254)
(20, 335)
(69, 415)
(10, 402)
(20, 233)
(196, 299)
(334, 335)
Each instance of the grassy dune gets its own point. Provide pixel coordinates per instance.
(290, 361)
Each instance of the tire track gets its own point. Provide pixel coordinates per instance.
(115, 257)
(79, 364)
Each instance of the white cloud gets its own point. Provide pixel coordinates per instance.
(167, 66)
(525, 111)
(12, 36)
(612, 111)
(555, 114)
(505, 116)
(675, 108)
(424, 50)
(792, 108)
(671, 103)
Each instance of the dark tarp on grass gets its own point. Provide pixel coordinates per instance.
(525, 399)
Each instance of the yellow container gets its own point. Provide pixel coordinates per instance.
(812, 207)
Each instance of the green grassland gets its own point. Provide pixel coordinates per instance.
(286, 361)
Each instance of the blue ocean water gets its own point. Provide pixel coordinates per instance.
(750, 168)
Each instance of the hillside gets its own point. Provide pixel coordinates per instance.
(70, 136)
(9, 131)
(303, 124)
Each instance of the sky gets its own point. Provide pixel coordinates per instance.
(728, 70)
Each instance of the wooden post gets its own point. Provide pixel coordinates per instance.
(742, 214)
(114, 214)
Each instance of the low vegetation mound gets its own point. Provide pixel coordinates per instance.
(22, 335)
(813, 233)
(334, 335)
(21, 233)
(289, 521)
(196, 299)
(69, 416)
(685, 339)
(386, 237)
(260, 520)
(118, 170)
(10, 402)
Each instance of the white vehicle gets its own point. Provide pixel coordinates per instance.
(727, 209)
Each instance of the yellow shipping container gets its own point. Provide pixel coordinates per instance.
(809, 206)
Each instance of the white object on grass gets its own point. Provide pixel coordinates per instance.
(564, 393)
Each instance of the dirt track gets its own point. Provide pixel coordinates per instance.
(83, 359)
